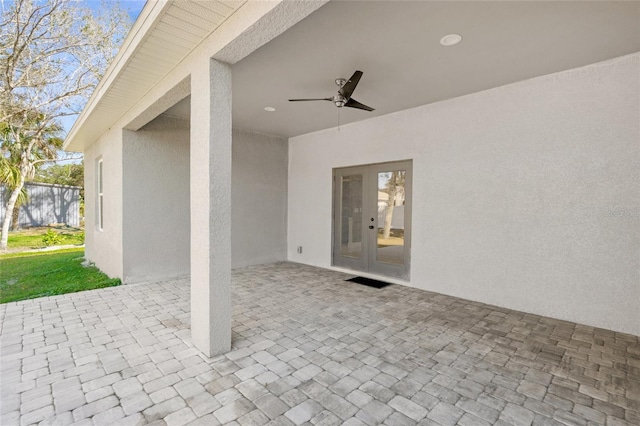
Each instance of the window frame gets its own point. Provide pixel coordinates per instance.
(100, 194)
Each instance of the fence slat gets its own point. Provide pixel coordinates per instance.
(46, 204)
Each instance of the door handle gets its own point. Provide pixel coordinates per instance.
(371, 226)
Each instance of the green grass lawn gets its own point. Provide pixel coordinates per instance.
(30, 275)
(32, 238)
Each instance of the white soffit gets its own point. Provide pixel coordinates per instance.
(162, 36)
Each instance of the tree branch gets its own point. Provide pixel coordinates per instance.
(57, 159)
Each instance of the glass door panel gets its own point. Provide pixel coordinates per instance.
(350, 241)
(390, 229)
(372, 218)
(351, 216)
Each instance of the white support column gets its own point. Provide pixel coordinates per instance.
(210, 170)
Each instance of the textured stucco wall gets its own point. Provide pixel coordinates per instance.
(525, 196)
(155, 243)
(104, 247)
(258, 199)
(156, 223)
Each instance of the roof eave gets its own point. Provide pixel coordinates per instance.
(150, 14)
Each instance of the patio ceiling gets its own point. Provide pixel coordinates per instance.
(396, 45)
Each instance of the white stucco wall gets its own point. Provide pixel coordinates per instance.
(156, 224)
(104, 247)
(525, 196)
(147, 226)
(258, 199)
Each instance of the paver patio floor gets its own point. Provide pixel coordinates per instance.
(309, 348)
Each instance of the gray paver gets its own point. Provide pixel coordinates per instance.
(93, 408)
(163, 409)
(326, 354)
(99, 393)
(108, 417)
(234, 410)
(69, 401)
(254, 418)
(37, 415)
(374, 413)
(398, 419)
(271, 405)
(408, 408)
(127, 387)
(516, 415)
(303, 412)
(203, 403)
(181, 417)
(135, 402)
(445, 414)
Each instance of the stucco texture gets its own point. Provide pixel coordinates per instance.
(525, 196)
(156, 223)
(104, 247)
(258, 199)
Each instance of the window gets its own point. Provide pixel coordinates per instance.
(100, 196)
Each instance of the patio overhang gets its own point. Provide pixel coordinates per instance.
(164, 36)
(269, 58)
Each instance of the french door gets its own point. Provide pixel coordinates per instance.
(372, 218)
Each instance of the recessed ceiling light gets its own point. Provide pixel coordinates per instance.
(269, 109)
(450, 39)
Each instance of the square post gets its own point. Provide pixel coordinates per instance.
(210, 182)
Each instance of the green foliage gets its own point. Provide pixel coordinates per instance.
(10, 175)
(27, 276)
(25, 146)
(51, 238)
(61, 174)
(32, 238)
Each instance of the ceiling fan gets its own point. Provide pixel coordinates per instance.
(343, 97)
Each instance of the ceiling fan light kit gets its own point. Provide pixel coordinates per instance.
(343, 97)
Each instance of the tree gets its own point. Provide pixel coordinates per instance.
(395, 183)
(52, 55)
(21, 155)
(61, 174)
(9, 176)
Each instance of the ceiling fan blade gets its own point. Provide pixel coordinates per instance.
(352, 103)
(350, 85)
(313, 99)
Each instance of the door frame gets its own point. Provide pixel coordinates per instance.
(367, 261)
